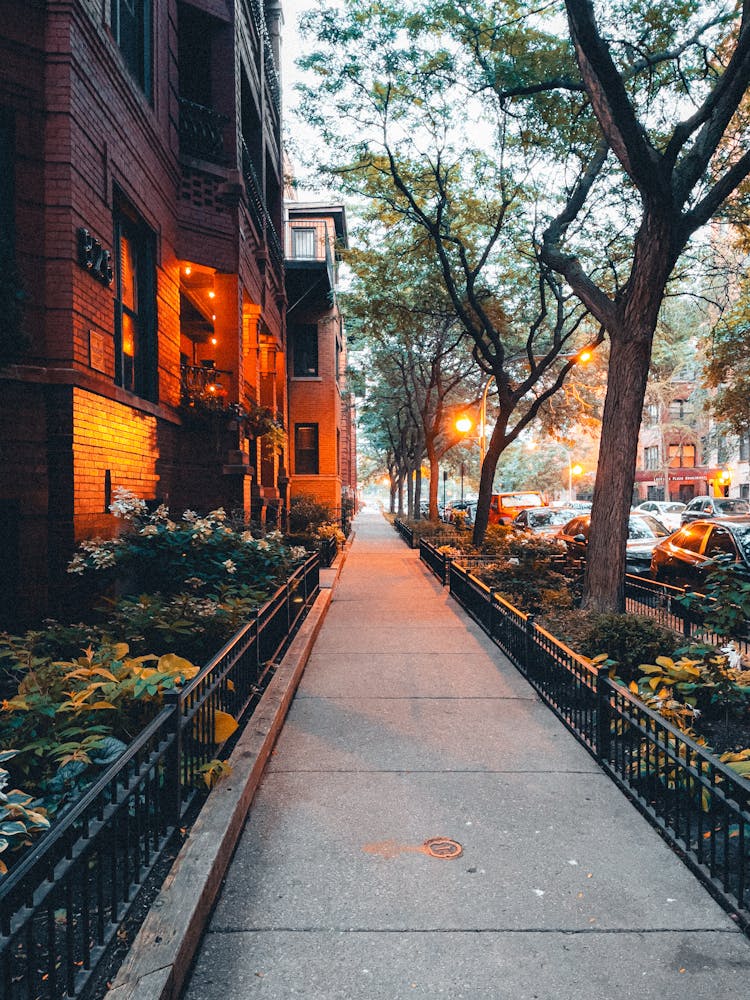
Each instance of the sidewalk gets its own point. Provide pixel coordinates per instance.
(409, 724)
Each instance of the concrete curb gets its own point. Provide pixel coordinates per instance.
(159, 959)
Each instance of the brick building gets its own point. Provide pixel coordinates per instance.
(321, 413)
(141, 206)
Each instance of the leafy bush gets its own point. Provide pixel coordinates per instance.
(20, 816)
(159, 554)
(702, 678)
(628, 640)
(68, 719)
(724, 605)
(306, 514)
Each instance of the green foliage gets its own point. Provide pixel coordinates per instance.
(701, 678)
(21, 818)
(306, 514)
(724, 604)
(159, 554)
(69, 719)
(628, 640)
(526, 573)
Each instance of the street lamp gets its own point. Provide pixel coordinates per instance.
(463, 426)
(573, 470)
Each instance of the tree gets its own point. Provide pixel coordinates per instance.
(678, 173)
(391, 100)
(412, 342)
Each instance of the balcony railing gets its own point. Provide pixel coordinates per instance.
(201, 132)
(272, 76)
(201, 384)
(259, 213)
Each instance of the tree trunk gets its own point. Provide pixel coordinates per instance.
(434, 464)
(604, 584)
(418, 493)
(410, 493)
(400, 493)
(495, 449)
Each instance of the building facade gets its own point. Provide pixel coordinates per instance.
(141, 205)
(321, 411)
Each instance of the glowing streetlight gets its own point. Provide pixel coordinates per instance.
(464, 424)
(573, 470)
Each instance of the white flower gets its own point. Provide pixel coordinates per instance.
(697, 713)
(189, 515)
(217, 515)
(275, 536)
(149, 529)
(77, 565)
(103, 558)
(298, 552)
(127, 505)
(170, 525)
(229, 566)
(263, 544)
(247, 537)
(513, 561)
(733, 655)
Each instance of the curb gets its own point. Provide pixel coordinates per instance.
(159, 959)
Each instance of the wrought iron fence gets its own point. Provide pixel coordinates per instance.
(63, 903)
(405, 531)
(699, 804)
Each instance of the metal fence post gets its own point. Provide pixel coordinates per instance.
(528, 642)
(173, 759)
(603, 736)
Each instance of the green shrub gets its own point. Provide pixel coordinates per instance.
(306, 514)
(628, 640)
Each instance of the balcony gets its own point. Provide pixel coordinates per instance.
(259, 213)
(202, 132)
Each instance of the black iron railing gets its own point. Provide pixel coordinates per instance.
(201, 132)
(405, 531)
(700, 805)
(259, 213)
(63, 903)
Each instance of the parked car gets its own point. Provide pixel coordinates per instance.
(467, 508)
(702, 507)
(684, 557)
(644, 532)
(666, 511)
(505, 506)
(543, 520)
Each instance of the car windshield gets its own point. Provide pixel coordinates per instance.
(521, 500)
(540, 518)
(646, 527)
(673, 508)
(732, 506)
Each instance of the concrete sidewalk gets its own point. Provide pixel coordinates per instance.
(409, 724)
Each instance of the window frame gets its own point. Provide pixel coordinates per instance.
(143, 381)
(140, 68)
(298, 333)
(314, 466)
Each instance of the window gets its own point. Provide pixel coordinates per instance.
(651, 457)
(722, 449)
(689, 538)
(131, 26)
(306, 449)
(680, 409)
(303, 244)
(305, 349)
(135, 307)
(652, 414)
(682, 456)
(720, 543)
(744, 448)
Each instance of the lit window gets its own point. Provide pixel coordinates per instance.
(135, 307)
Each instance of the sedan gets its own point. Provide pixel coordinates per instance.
(685, 556)
(702, 507)
(644, 532)
(543, 520)
(666, 511)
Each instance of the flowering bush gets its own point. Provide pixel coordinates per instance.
(161, 554)
(331, 530)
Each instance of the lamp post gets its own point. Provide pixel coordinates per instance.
(573, 470)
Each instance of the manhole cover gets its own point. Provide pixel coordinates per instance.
(443, 847)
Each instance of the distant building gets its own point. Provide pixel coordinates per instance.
(321, 413)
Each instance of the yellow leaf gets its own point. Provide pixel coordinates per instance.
(3, 868)
(664, 661)
(230, 685)
(224, 725)
(170, 663)
(102, 704)
(120, 650)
